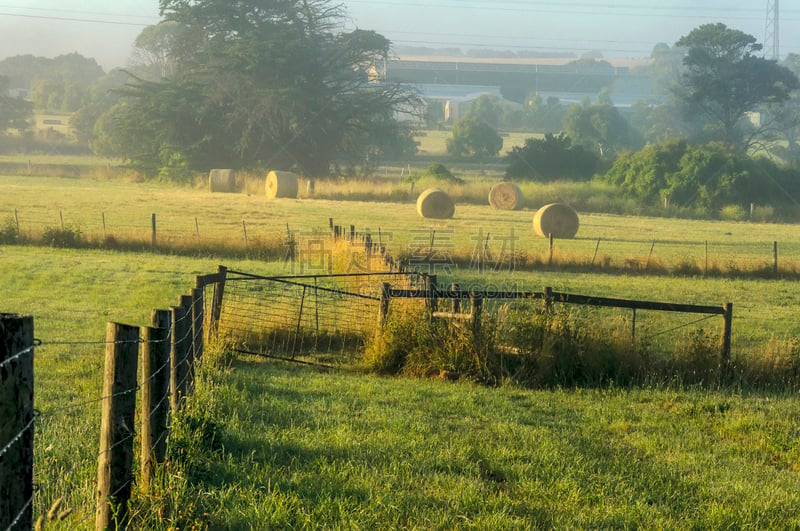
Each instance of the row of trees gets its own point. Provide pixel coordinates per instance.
(715, 86)
(280, 85)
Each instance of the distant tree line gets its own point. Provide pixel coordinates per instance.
(247, 86)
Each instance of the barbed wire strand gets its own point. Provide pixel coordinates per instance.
(20, 513)
(17, 437)
(17, 355)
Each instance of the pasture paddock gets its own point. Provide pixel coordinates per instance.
(657, 436)
(186, 216)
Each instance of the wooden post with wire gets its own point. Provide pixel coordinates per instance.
(477, 309)
(153, 236)
(16, 428)
(115, 461)
(216, 299)
(198, 318)
(430, 289)
(181, 329)
(155, 394)
(725, 355)
(383, 311)
(188, 303)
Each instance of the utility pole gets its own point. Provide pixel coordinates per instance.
(772, 30)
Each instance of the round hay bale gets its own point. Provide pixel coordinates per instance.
(557, 219)
(434, 203)
(281, 184)
(222, 181)
(506, 196)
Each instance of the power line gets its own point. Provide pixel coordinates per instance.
(69, 19)
(549, 7)
(77, 12)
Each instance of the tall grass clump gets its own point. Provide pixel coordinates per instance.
(9, 233)
(536, 347)
(411, 343)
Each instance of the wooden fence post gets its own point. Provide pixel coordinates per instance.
(477, 310)
(155, 391)
(115, 461)
(383, 311)
(456, 289)
(216, 299)
(181, 329)
(198, 318)
(16, 428)
(430, 290)
(775, 258)
(548, 299)
(188, 304)
(153, 236)
(725, 355)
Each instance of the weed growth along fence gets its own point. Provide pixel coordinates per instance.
(327, 314)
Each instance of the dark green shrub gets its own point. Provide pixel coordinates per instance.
(551, 158)
(8, 232)
(68, 237)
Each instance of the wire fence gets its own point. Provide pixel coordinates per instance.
(287, 317)
(777, 255)
(43, 477)
(301, 315)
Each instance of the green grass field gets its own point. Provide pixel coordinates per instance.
(301, 448)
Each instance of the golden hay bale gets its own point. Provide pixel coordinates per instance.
(434, 203)
(506, 196)
(222, 181)
(557, 219)
(281, 184)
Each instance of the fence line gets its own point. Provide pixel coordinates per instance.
(764, 260)
(116, 473)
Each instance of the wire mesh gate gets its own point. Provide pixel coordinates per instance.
(289, 316)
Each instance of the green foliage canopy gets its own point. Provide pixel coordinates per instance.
(704, 178)
(262, 84)
(14, 112)
(602, 128)
(474, 138)
(550, 158)
(724, 79)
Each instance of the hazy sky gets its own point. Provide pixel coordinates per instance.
(105, 29)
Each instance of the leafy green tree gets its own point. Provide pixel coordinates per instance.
(701, 177)
(474, 138)
(15, 113)
(25, 70)
(259, 83)
(785, 118)
(601, 128)
(659, 123)
(724, 79)
(488, 109)
(550, 158)
(152, 52)
(665, 67)
(103, 94)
